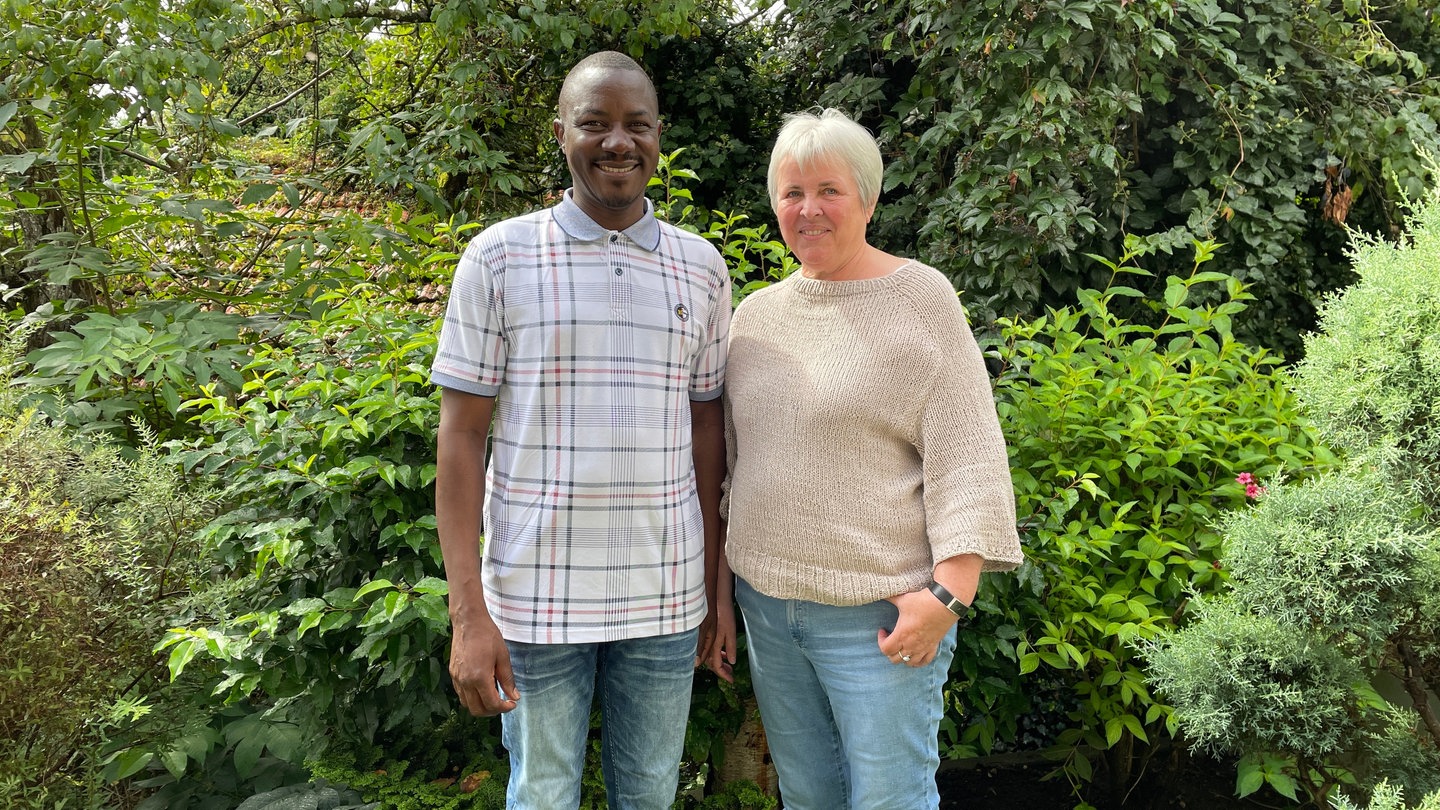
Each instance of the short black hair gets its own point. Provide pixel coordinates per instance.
(601, 60)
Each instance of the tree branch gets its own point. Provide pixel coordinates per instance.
(359, 11)
(282, 102)
(152, 163)
(760, 8)
(1419, 695)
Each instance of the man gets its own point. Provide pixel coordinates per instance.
(593, 336)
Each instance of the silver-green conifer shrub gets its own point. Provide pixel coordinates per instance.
(1370, 379)
(1387, 797)
(1324, 643)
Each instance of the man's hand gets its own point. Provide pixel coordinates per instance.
(718, 640)
(478, 655)
(479, 662)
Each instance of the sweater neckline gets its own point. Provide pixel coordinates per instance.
(834, 289)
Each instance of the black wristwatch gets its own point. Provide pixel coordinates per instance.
(948, 599)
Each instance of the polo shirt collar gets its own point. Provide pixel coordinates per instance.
(575, 222)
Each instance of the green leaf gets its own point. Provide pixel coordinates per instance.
(127, 763)
(1175, 293)
(1248, 779)
(230, 229)
(1284, 785)
(309, 621)
(175, 761)
(248, 750)
(1029, 663)
(171, 398)
(17, 164)
(183, 652)
(433, 610)
(373, 586)
(258, 193)
(1113, 732)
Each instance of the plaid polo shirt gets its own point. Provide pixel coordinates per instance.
(593, 343)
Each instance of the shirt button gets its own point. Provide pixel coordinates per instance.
(619, 272)
(614, 237)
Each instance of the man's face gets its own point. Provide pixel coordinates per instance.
(609, 130)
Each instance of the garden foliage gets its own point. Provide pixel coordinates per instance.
(1126, 440)
(1388, 797)
(337, 612)
(1021, 135)
(95, 546)
(234, 224)
(1319, 663)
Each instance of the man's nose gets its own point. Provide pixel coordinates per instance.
(617, 139)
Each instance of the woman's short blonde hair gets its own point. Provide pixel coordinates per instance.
(812, 137)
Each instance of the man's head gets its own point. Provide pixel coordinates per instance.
(608, 126)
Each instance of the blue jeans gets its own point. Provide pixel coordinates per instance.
(846, 728)
(644, 689)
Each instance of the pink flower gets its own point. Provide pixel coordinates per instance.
(1245, 478)
(1253, 491)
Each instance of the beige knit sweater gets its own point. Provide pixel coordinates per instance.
(863, 441)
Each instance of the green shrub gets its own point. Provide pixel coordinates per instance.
(329, 601)
(1388, 797)
(1371, 375)
(1126, 441)
(1323, 576)
(94, 547)
(141, 364)
(1020, 136)
(1344, 570)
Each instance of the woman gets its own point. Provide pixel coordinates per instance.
(869, 487)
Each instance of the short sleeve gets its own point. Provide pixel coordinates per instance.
(707, 375)
(471, 353)
(969, 497)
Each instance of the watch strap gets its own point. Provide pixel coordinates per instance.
(948, 599)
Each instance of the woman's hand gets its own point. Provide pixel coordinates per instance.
(924, 619)
(922, 624)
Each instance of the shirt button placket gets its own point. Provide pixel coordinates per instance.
(619, 293)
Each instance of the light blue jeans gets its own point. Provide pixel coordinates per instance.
(846, 728)
(644, 691)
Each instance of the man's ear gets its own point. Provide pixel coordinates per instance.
(559, 130)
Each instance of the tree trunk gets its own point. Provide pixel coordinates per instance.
(747, 755)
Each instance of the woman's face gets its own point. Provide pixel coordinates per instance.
(821, 216)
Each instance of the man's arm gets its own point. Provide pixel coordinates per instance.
(478, 656)
(719, 655)
(707, 436)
